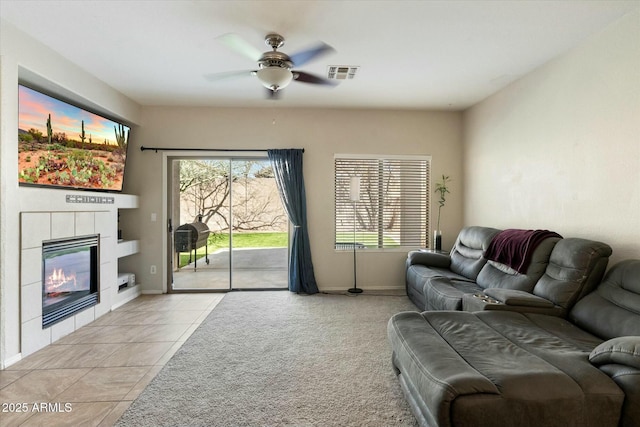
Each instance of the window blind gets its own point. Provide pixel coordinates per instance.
(392, 208)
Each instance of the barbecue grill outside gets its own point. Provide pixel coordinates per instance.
(190, 237)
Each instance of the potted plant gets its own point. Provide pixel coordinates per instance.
(443, 189)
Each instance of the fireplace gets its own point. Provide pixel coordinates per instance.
(70, 277)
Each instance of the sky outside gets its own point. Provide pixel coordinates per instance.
(34, 109)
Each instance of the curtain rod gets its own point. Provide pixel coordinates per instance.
(156, 149)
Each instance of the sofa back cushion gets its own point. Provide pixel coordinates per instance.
(576, 267)
(613, 309)
(467, 253)
(497, 275)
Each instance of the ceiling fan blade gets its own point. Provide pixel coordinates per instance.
(305, 56)
(240, 45)
(213, 77)
(303, 77)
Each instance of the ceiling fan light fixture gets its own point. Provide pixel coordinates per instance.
(275, 78)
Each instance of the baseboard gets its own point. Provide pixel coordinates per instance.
(11, 361)
(373, 290)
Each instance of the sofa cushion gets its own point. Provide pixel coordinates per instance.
(620, 350)
(467, 253)
(417, 275)
(421, 266)
(494, 275)
(576, 267)
(444, 293)
(514, 247)
(613, 309)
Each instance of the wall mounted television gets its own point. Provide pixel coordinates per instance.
(61, 145)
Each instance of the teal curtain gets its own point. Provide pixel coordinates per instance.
(287, 167)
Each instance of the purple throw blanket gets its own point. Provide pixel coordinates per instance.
(514, 247)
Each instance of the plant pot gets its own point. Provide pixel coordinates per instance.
(437, 240)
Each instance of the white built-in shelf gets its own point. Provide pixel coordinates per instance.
(128, 247)
(127, 201)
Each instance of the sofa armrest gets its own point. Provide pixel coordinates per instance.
(619, 350)
(512, 300)
(520, 298)
(620, 359)
(430, 259)
(628, 379)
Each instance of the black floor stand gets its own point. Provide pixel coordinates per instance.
(355, 289)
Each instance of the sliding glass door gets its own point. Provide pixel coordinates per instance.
(229, 229)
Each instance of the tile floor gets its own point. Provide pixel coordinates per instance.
(90, 377)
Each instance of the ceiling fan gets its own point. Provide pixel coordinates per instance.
(274, 67)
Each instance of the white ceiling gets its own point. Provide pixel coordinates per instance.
(411, 54)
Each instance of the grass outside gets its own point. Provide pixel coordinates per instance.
(277, 240)
(240, 240)
(369, 239)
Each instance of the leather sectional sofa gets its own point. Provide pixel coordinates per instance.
(559, 272)
(506, 368)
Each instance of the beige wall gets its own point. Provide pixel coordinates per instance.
(322, 133)
(560, 149)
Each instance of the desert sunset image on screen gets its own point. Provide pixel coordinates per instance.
(61, 145)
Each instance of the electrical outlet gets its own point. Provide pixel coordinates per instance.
(153, 269)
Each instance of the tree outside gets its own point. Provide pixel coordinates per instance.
(236, 196)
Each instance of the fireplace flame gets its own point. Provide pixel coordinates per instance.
(59, 282)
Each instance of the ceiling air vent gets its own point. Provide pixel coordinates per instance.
(341, 72)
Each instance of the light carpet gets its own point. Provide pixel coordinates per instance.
(281, 359)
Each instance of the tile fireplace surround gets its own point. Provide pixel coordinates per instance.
(38, 226)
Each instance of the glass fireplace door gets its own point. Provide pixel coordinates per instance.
(70, 277)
